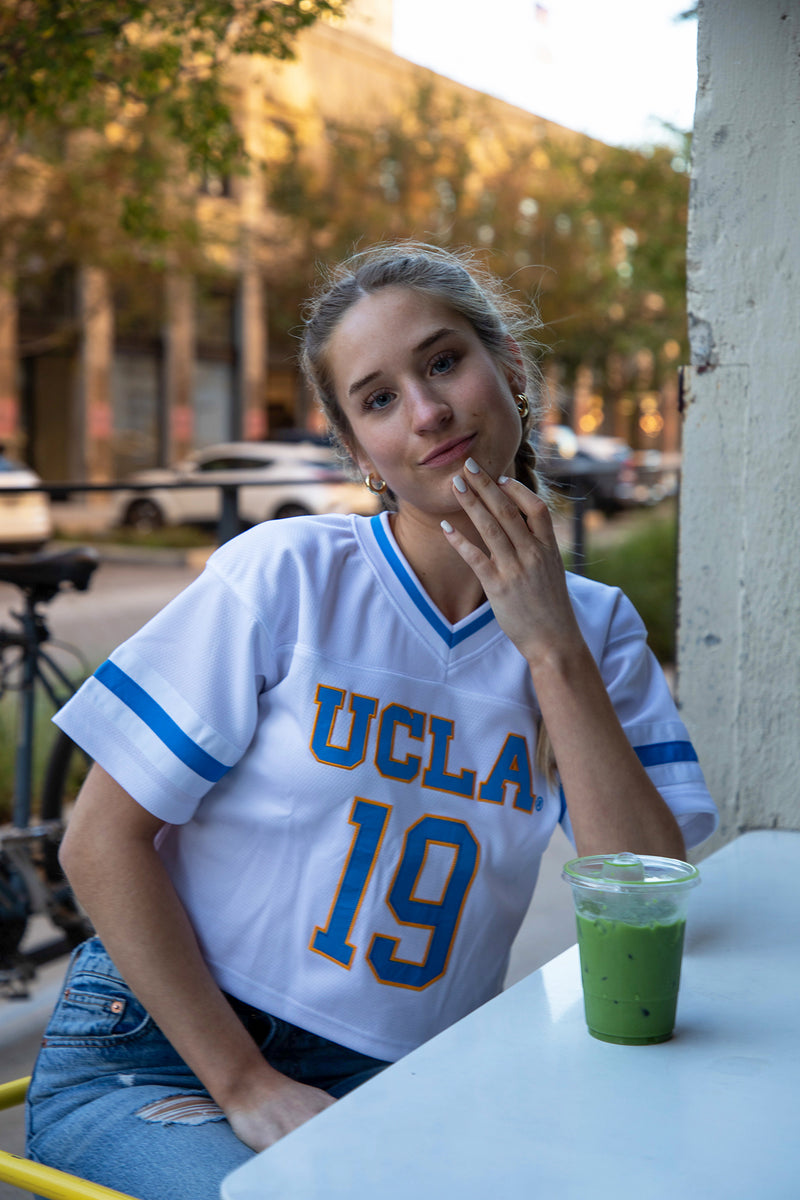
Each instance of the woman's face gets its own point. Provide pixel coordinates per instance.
(422, 394)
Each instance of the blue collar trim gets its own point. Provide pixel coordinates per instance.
(449, 636)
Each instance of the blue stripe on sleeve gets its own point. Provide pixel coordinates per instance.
(660, 753)
(160, 722)
(655, 755)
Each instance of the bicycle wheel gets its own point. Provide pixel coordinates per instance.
(65, 770)
(62, 777)
(14, 909)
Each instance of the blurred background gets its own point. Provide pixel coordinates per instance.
(170, 184)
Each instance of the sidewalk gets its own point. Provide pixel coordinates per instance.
(82, 520)
(93, 514)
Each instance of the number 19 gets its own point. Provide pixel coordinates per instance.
(441, 916)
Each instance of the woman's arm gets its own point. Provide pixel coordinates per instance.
(110, 859)
(613, 805)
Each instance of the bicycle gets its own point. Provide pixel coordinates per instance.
(31, 880)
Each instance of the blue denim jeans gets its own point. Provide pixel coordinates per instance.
(111, 1101)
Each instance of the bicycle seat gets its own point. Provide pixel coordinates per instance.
(42, 575)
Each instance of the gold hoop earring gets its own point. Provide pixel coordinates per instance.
(378, 488)
(523, 405)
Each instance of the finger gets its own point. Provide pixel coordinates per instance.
(496, 515)
(474, 557)
(533, 508)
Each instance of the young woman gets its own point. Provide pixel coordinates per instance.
(326, 773)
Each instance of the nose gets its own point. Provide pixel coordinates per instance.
(429, 411)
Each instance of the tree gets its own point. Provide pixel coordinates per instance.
(402, 177)
(118, 101)
(592, 235)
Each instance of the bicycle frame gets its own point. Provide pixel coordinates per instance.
(34, 659)
(31, 850)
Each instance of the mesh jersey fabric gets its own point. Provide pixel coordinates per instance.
(354, 819)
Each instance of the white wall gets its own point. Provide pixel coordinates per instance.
(739, 629)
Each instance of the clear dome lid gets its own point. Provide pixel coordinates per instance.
(629, 872)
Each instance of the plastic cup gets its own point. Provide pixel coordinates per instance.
(631, 917)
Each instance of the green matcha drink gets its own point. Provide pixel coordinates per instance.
(631, 917)
(630, 976)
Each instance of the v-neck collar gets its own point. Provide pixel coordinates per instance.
(450, 635)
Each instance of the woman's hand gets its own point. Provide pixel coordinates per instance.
(520, 570)
(612, 801)
(288, 1105)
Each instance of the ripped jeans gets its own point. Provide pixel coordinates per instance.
(111, 1101)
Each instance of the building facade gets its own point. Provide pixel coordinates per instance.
(122, 373)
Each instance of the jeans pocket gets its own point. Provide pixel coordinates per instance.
(96, 1003)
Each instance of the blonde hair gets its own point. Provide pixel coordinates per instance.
(457, 279)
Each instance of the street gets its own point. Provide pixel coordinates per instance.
(122, 596)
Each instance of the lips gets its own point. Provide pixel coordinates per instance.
(449, 451)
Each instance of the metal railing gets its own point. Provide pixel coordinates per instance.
(571, 482)
(229, 523)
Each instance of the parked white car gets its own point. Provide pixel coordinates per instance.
(25, 518)
(303, 478)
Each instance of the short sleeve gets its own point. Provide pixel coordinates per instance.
(174, 707)
(639, 691)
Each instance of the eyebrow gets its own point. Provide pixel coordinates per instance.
(425, 344)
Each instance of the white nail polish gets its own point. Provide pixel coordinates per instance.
(446, 526)
(459, 485)
(472, 466)
(503, 479)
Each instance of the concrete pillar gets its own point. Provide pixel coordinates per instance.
(739, 629)
(176, 438)
(9, 391)
(249, 409)
(91, 454)
(250, 405)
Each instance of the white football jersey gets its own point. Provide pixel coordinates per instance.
(354, 819)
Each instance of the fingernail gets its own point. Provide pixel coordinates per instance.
(458, 484)
(472, 466)
(503, 479)
(446, 526)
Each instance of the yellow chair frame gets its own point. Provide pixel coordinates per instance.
(45, 1181)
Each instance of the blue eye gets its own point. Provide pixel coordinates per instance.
(378, 400)
(443, 362)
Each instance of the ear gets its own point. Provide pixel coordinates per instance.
(515, 374)
(359, 457)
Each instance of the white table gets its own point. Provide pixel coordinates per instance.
(517, 1100)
